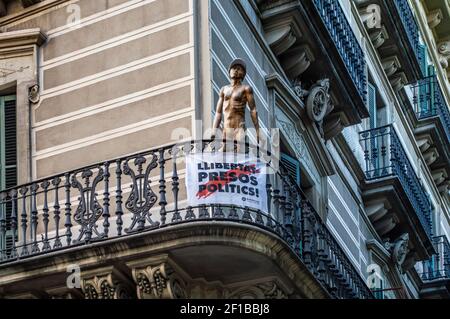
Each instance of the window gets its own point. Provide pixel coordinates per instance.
(8, 157)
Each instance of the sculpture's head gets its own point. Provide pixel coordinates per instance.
(237, 69)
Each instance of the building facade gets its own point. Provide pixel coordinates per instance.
(99, 99)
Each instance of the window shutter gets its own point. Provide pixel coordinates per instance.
(433, 83)
(372, 101)
(373, 118)
(293, 167)
(423, 59)
(424, 90)
(379, 291)
(8, 154)
(10, 144)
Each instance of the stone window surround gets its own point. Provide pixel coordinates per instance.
(19, 62)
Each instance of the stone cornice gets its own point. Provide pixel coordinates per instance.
(29, 11)
(22, 38)
(20, 43)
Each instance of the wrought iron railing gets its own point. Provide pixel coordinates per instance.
(141, 193)
(384, 156)
(428, 101)
(347, 44)
(438, 266)
(327, 261)
(411, 29)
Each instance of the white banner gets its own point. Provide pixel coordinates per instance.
(226, 178)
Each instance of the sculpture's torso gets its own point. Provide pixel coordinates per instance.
(235, 101)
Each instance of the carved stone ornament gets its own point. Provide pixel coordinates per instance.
(294, 136)
(444, 53)
(266, 290)
(318, 101)
(399, 249)
(371, 16)
(105, 286)
(299, 90)
(434, 18)
(159, 282)
(34, 94)
(378, 37)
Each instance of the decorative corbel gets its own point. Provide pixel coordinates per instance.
(318, 101)
(444, 53)
(280, 39)
(391, 65)
(157, 279)
(371, 16)
(434, 18)
(106, 283)
(398, 81)
(297, 60)
(399, 249)
(378, 36)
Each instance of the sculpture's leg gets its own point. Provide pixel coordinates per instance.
(239, 135)
(228, 140)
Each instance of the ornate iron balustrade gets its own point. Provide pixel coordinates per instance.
(327, 261)
(384, 156)
(438, 266)
(141, 193)
(346, 42)
(411, 28)
(429, 101)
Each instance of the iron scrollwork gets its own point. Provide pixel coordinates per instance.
(142, 198)
(89, 209)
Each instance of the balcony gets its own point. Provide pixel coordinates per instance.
(313, 40)
(430, 117)
(345, 41)
(396, 203)
(438, 18)
(394, 33)
(435, 272)
(127, 218)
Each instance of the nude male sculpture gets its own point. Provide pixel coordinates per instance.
(233, 99)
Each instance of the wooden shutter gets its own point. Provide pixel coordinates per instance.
(372, 100)
(293, 167)
(379, 291)
(8, 157)
(432, 88)
(372, 103)
(423, 53)
(425, 105)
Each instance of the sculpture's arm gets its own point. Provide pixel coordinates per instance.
(253, 112)
(219, 111)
